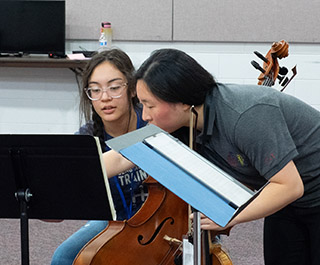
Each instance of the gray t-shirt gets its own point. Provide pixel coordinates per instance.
(252, 132)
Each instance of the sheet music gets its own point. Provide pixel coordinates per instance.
(200, 168)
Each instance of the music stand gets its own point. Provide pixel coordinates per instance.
(52, 177)
(214, 192)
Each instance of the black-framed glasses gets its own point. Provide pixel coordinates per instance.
(115, 91)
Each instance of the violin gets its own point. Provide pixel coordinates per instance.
(270, 70)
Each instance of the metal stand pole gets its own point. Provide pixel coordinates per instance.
(24, 197)
(196, 238)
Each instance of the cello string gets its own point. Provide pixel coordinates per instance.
(268, 81)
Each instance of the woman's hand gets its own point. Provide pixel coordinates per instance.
(208, 224)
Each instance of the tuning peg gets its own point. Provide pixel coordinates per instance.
(283, 70)
(285, 81)
(282, 73)
(257, 66)
(261, 56)
(280, 78)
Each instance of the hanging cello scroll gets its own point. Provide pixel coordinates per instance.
(271, 72)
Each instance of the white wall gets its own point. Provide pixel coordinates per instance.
(38, 100)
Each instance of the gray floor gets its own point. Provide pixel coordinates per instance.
(244, 243)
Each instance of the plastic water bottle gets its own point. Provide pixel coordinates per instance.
(102, 40)
(107, 32)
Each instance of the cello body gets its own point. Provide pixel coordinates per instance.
(140, 240)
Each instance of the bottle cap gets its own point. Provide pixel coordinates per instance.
(106, 24)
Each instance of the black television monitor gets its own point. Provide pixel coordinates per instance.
(32, 27)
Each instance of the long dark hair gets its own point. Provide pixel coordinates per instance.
(122, 62)
(173, 76)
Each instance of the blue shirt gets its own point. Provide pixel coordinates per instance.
(127, 190)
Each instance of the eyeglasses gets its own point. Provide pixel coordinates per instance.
(114, 91)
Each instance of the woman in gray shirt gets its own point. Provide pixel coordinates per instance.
(256, 134)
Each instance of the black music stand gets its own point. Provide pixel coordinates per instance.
(52, 177)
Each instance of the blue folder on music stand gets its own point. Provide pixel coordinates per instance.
(187, 174)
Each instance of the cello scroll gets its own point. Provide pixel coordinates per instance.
(271, 71)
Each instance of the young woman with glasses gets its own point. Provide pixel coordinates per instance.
(257, 135)
(110, 108)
